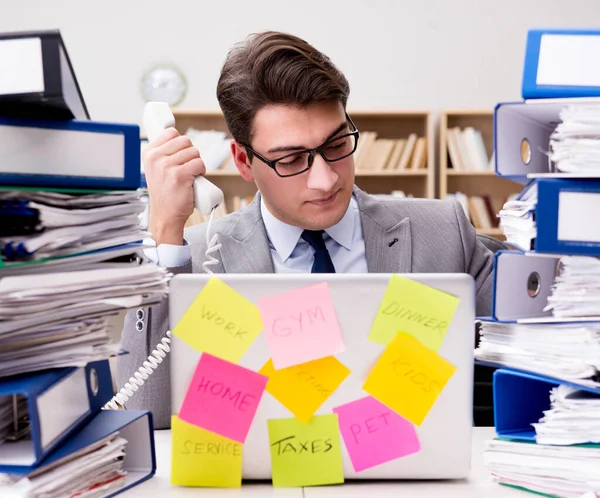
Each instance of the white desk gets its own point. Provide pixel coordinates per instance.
(477, 485)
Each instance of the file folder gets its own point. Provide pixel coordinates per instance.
(58, 402)
(69, 154)
(561, 63)
(38, 80)
(520, 399)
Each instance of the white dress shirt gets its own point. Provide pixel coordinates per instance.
(291, 253)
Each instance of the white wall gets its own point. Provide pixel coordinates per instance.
(427, 54)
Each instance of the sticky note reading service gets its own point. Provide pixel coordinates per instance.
(203, 459)
(220, 322)
(415, 308)
(303, 388)
(408, 378)
(223, 397)
(301, 325)
(306, 454)
(374, 434)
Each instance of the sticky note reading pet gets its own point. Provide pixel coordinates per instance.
(374, 434)
(301, 325)
(415, 308)
(306, 454)
(302, 389)
(408, 378)
(201, 458)
(220, 322)
(223, 397)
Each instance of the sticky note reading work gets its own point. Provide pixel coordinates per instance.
(306, 454)
(301, 325)
(408, 378)
(302, 389)
(223, 397)
(203, 459)
(374, 434)
(415, 308)
(220, 322)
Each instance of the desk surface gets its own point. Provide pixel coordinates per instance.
(477, 485)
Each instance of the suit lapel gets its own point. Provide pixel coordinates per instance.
(387, 238)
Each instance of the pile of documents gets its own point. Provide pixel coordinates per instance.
(517, 218)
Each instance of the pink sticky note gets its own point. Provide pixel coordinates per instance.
(223, 397)
(301, 325)
(374, 434)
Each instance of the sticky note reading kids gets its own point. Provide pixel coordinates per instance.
(306, 454)
(223, 397)
(408, 378)
(374, 434)
(301, 325)
(220, 322)
(202, 458)
(303, 388)
(415, 308)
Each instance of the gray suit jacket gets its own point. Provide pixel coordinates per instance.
(434, 236)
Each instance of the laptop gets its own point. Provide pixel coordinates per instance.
(445, 433)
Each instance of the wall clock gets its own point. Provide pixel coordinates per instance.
(164, 83)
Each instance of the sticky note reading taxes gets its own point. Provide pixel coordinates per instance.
(203, 459)
(305, 454)
(374, 434)
(302, 389)
(408, 378)
(415, 308)
(220, 322)
(223, 397)
(301, 325)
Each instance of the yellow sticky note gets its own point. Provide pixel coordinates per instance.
(220, 322)
(306, 454)
(203, 459)
(415, 308)
(303, 388)
(408, 378)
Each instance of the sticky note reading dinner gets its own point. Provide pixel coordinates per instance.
(306, 454)
(202, 458)
(408, 378)
(220, 322)
(223, 397)
(415, 308)
(301, 325)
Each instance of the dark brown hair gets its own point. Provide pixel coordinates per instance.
(274, 68)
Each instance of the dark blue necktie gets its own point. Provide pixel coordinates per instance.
(323, 263)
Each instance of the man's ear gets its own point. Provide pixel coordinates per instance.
(240, 157)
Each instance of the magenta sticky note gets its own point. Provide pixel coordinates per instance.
(223, 397)
(301, 325)
(373, 434)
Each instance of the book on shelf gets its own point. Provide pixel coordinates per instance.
(375, 154)
(466, 150)
(482, 210)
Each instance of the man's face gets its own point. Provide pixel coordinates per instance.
(318, 198)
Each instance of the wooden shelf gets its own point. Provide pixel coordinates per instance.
(493, 232)
(453, 172)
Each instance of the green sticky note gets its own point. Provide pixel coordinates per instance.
(306, 454)
(415, 308)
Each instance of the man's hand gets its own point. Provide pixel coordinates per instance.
(171, 163)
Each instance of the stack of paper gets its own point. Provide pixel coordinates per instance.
(95, 471)
(575, 143)
(573, 418)
(12, 411)
(517, 218)
(569, 351)
(560, 471)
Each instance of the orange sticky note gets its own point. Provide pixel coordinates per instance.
(408, 378)
(303, 388)
(220, 322)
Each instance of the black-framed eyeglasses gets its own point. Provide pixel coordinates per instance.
(296, 163)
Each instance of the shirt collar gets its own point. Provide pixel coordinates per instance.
(284, 237)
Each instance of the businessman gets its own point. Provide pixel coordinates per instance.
(285, 105)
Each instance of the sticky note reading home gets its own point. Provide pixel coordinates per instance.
(223, 397)
(220, 322)
(202, 458)
(301, 325)
(415, 308)
(408, 378)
